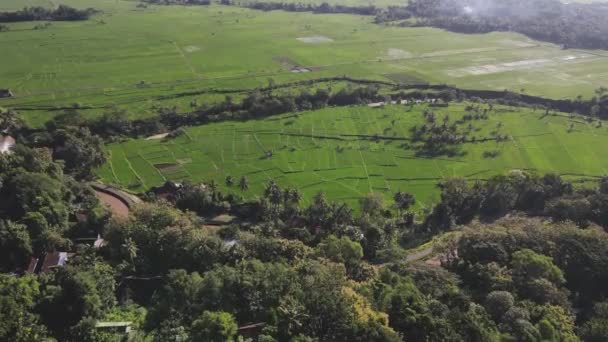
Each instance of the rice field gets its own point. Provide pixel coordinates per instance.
(348, 152)
(137, 58)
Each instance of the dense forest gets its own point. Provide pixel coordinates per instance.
(572, 25)
(61, 13)
(522, 257)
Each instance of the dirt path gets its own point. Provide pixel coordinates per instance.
(115, 205)
(420, 254)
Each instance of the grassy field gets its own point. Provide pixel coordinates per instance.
(351, 151)
(98, 63)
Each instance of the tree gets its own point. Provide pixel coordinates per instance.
(214, 327)
(18, 296)
(403, 201)
(83, 289)
(538, 278)
(273, 193)
(244, 184)
(79, 149)
(341, 250)
(596, 328)
(131, 249)
(15, 246)
(372, 204)
(10, 121)
(229, 181)
(295, 196)
(498, 303)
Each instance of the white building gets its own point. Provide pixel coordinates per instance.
(6, 143)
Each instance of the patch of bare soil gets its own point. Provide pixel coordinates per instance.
(115, 205)
(157, 136)
(315, 39)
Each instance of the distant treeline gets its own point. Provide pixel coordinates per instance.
(267, 101)
(322, 8)
(390, 13)
(572, 25)
(258, 104)
(61, 13)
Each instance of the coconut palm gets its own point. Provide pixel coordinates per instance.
(229, 181)
(131, 249)
(244, 184)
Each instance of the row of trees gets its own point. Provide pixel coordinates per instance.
(61, 13)
(257, 104)
(269, 101)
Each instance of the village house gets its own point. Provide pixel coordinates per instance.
(6, 93)
(6, 143)
(47, 263)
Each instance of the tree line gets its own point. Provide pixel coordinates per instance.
(268, 101)
(61, 13)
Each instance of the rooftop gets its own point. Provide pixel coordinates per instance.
(6, 143)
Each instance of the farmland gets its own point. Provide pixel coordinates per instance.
(348, 152)
(132, 58)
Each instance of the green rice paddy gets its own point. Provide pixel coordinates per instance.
(348, 152)
(102, 62)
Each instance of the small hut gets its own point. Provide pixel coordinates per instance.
(6, 93)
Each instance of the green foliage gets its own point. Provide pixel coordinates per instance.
(372, 204)
(214, 327)
(537, 277)
(341, 250)
(596, 328)
(18, 296)
(15, 246)
(75, 292)
(80, 151)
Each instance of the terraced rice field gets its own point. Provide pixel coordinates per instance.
(347, 152)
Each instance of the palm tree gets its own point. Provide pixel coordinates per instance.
(244, 184)
(273, 193)
(131, 248)
(229, 181)
(296, 195)
(213, 185)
